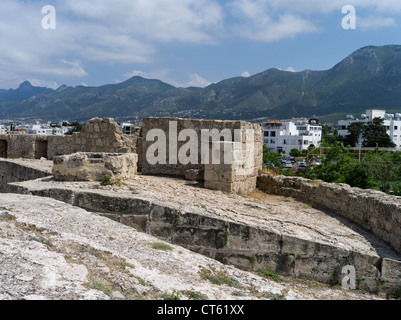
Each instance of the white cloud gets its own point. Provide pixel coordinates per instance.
(254, 21)
(197, 81)
(290, 69)
(245, 74)
(164, 75)
(374, 23)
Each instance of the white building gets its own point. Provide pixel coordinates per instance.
(127, 128)
(283, 136)
(392, 122)
(46, 130)
(3, 129)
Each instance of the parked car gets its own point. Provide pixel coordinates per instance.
(302, 165)
(288, 164)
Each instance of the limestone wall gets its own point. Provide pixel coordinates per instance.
(15, 172)
(98, 135)
(373, 210)
(105, 136)
(252, 158)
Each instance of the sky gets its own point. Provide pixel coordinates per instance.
(183, 42)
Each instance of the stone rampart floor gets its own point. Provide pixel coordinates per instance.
(50, 250)
(279, 214)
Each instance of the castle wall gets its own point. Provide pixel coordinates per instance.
(375, 211)
(180, 135)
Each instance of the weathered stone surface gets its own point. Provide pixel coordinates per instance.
(94, 166)
(251, 133)
(67, 253)
(375, 211)
(275, 233)
(22, 170)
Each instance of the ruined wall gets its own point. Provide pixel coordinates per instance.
(239, 176)
(23, 146)
(98, 135)
(375, 211)
(252, 160)
(15, 172)
(105, 136)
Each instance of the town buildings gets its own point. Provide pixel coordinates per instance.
(392, 122)
(283, 136)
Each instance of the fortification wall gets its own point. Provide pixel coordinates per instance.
(375, 211)
(247, 136)
(15, 172)
(98, 135)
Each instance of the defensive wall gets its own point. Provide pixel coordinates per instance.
(373, 210)
(105, 136)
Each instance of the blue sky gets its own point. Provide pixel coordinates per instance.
(182, 42)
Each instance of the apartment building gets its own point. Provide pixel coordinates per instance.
(392, 122)
(283, 136)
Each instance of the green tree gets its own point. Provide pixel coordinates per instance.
(295, 153)
(77, 127)
(375, 135)
(355, 130)
(329, 139)
(270, 157)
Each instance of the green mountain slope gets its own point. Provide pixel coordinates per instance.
(368, 78)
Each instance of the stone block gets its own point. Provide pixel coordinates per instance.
(194, 175)
(94, 166)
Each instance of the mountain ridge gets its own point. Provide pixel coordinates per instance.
(368, 78)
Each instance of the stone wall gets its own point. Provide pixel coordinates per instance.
(15, 172)
(375, 211)
(239, 176)
(98, 135)
(105, 136)
(248, 135)
(23, 146)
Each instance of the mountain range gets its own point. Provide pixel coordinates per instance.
(368, 78)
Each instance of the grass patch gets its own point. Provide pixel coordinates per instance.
(274, 296)
(172, 296)
(219, 278)
(100, 285)
(41, 240)
(108, 181)
(193, 295)
(270, 275)
(161, 246)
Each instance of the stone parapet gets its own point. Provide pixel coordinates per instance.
(375, 211)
